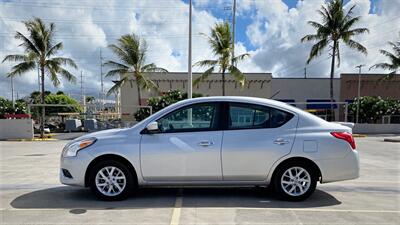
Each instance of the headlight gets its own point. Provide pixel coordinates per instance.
(72, 149)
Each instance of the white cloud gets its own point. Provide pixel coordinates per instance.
(274, 32)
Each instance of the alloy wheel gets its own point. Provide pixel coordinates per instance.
(295, 181)
(110, 181)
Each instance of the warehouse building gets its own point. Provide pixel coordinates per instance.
(311, 94)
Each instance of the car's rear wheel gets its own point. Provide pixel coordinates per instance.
(111, 180)
(295, 181)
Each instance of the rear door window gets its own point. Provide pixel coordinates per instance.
(250, 116)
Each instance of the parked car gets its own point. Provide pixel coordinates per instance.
(239, 141)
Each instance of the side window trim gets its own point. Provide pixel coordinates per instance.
(218, 108)
(226, 111)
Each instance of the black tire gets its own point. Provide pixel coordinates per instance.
(129, 185)
(282, 194)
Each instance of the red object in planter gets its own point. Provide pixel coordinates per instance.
(17, 116)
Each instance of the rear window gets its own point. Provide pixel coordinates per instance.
(279, 117)
(249, 116)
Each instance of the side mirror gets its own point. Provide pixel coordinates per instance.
(153, 126)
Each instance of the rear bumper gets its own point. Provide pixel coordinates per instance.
(347, 168)
(76, 167)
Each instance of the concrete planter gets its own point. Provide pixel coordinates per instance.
(366, 128)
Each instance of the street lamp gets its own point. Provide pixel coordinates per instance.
(358, 91)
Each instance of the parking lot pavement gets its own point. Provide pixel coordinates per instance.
(31, 194)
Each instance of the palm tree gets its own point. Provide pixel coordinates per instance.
(221, 43)
(40, 50)
(131, 51)
(336, 26)
(394, 59)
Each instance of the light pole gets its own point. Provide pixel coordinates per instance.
(12, 93)
(233, 29)
(358, 91)
(189, 93)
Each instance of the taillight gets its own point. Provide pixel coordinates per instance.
(345, 136)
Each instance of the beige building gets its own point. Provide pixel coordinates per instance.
(296, 91)
(370, 85)
(257, 85)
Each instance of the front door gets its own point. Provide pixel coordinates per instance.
(187, 146)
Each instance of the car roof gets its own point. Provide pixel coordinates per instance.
(241, 99)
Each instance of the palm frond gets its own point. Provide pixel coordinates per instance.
(317, 49)
(204, 75)
(355, 45)
(116, 65)
(388, 54)
(316, 25)
(117, 85)
(204, 63)
(237, 74)
(385, 66)
(145, 83)
(54, 49)
(121, 53)
(15, 58)
(67, 75)
(151, 67)
(241, 57)
(26, 43)
(64, 61)
(21, 68)
(395, 47)
(53, 76)
(311, 37)
(117, 72)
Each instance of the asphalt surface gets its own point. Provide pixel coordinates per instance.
(30, 193)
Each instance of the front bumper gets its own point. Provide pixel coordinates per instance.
(76, 167)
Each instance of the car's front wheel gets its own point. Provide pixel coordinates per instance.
(295, 181)
(111, 180)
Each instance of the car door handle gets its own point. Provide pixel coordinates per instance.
(205, 143)
(281, 141)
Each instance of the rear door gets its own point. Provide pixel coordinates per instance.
(254, 138)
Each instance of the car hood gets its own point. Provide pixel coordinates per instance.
(102, 134)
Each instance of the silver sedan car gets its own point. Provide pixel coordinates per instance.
(207, 141)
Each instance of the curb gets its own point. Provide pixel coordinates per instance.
(397, 140)
(33, 139)
(359, 135)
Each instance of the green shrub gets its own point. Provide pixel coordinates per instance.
(6, 106)
(372, 108)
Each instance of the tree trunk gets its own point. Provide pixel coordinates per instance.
(42, 118)
(138, 93)
(331, 80)
(223, 82)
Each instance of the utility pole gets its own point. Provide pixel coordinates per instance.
(83, 94)
(101, 82)
(189, 93)
(358, 92)
(305, 72)
(12, 92)
(233, 29)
